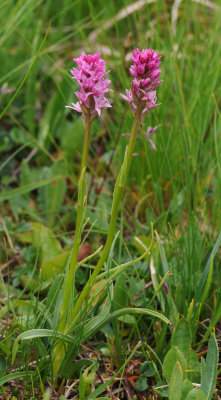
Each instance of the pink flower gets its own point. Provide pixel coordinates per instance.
(146, 73)
(93, 86)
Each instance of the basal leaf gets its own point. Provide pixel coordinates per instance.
(44, 240)
(208, 380)
(187, 387)
(196, 394)
(182, 337)
(173, 355)
(176, 381)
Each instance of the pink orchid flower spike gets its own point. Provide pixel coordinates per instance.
(146, 73)
(90, 76)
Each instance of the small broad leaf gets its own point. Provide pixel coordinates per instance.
(173, 355)
(176, 380)
(208, 380)
(193, 367)
(44, 240)
(147, 369)
(182, 337)
(196, 394)
(141, 384)
(187, 387)
(120, 297)
(162, 391)
(54, 266)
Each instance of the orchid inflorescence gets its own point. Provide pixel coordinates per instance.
(146, 73)
(93, 86)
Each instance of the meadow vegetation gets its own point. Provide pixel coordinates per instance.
(148, 326)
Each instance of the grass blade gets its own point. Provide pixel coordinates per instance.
(9, 194)
(206, 270)
(15, 375)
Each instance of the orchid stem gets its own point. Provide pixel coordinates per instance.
(69, 284)
(117, 197)
(69, 280)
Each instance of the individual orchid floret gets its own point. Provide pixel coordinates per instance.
(146, 73)
(90, 76)
(150, 132)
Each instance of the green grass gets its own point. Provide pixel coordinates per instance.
(177, 187)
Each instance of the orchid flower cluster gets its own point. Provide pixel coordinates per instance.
(146, 73)
(93, 86)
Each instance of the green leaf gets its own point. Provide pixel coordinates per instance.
(5, 348)
(97, 322)
(128, 319)
(208, 380)
(162, 391)
(52, 195)
(141, 384)
(73, 137)
(173, 312)
(204, 294)
(2, 365)
(120, 296)
(182, 337)
(208, 284)
(84, 363)
(163, 258)
(9, 194)
(206, 270)
(193, 367)
(39, 333)
(146, 369)
(176, 381)
(187, 387)
(196, 394)
(54, 266)
(173, 355)
(44, 240)
(156, 286)
(15, 375)
(81, 388)
(202, 365)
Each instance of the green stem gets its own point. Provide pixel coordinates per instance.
(118, 193)
(68, 288)
(69, 281)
